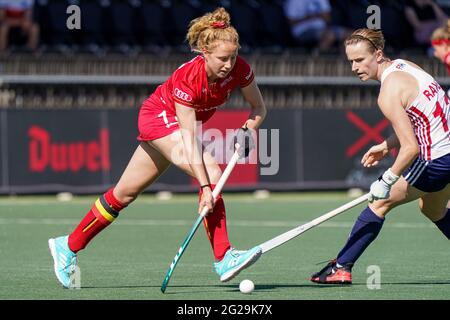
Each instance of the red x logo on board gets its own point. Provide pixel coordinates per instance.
(371, 133)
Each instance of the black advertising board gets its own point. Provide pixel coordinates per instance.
(3, 152)
(334, 142)
(86, 151)
(49, 150)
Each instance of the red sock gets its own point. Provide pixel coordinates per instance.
(216, 228)
(104, 211)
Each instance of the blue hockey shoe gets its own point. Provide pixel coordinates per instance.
(65, 261)
(235, 261)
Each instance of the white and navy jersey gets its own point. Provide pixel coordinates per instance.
(429, 112)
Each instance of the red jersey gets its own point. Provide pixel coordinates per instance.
(188, 86)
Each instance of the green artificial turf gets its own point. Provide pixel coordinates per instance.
(130, 258)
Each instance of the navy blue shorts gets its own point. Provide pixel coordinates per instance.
(429, 176)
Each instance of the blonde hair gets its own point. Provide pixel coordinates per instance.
(207, 29)
(442, 33)
(374, 38)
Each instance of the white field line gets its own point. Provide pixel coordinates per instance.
(237, 223)
(145, 200)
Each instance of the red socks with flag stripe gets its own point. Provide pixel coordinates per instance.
(104, 211)
(216, 227)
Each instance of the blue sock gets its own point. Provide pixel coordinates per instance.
(444, 224)
(365, 230)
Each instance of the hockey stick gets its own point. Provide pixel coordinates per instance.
(291, 234)
(226, 173)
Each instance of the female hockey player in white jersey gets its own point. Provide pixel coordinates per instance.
(419, 112)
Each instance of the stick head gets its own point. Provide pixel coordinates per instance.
(165, 282)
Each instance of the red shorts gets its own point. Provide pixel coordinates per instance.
(155, 122)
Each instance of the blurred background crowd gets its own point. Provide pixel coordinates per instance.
(125, 48)
(159, 26)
